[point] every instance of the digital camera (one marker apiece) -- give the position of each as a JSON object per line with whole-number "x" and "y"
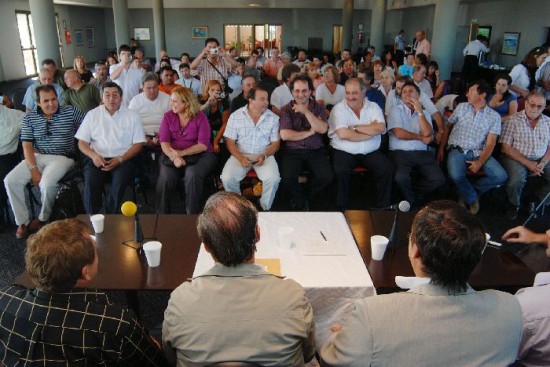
{"x": 220, "y": 95}
{"x": 214, "y": 51}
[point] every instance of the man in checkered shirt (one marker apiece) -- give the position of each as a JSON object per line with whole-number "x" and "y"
{"x": 471, "y": 143}
{"x": 60, "y": 322}
{"x": 252, "y": 138}
{"x": 526, "y": 146}
{"x": 213, "y": 63}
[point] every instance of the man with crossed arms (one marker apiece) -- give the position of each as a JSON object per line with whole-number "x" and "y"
{"x": 303, "y": 123}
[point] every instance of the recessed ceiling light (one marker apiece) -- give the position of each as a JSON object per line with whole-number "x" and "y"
{"x": 254, "y": 5}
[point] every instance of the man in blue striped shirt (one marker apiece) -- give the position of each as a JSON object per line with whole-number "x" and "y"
{"x": 48, "y": 142}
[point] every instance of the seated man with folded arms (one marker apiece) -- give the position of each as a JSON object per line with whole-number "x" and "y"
{"x": 303, "y": 124}
{"x": 110, "y": 137}
{"x": 237, "y": 311}
{"x": 355, "y": 129}
{"x": 410, "y": 132}
{"x": 62, "y": 322}
{"x": 49, "y": 149}
{"x": 442, "y": 322}
{"x": 534, "y": 350}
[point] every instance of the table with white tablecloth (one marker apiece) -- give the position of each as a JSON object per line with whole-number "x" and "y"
{"x": 332, "y": 280}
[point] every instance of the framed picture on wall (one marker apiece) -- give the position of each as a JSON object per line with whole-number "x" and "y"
{"x": 79, "y": 37}
{"x": 510, "y": 43}
{"x": 199, "y": 32}
{"x": 142, "y": 34}
{"x": 90, "y": 41}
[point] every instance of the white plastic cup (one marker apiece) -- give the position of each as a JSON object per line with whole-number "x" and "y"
{"x": 152, "y": 252}
{"x": 284, "y": 236}
{"x": 98, "y": 220}
{"x": 378, "y": 246}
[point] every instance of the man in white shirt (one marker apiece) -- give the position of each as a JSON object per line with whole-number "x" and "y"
{"x": 127, "y": 74}
{"x": 11, "y": 121}
{"x": 110, "y": 136}
{"x": 252, "y": 138}
{"x": 151, "y": 105}
{"x": 282, "y": 96}
{"x": 188, "y": 81}
{"x": 471, "y": 57}
{"x": 355, "y": 129}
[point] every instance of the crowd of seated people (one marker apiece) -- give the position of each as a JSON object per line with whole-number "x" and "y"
{"x": 372, "y": 112}
{"x": 315, "y": 114}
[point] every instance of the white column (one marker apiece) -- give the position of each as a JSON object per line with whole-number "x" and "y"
{"x": 347, "y": 24}
{"x": 378, "y": 24}
{"x": 443, "y": 41}
{"x": 45, "y": 30}
{"x": 120, "y": 13}
{"x": 158, "y": 26}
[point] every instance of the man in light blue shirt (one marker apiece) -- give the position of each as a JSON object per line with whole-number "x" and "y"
{"x": 410, "y": 132}
{"x": 44, "y": 77}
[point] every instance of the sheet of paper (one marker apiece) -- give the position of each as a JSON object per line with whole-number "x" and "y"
{"x": 273, "y": 265}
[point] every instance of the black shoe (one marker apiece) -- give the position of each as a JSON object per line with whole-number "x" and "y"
{"x": 512, "y": 212}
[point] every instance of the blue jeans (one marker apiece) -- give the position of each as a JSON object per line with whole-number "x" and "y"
{"x": 518, "y": 174}
{"x": 495, "y": 175}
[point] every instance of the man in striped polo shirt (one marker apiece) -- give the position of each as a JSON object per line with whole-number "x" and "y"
{"x": 49, "y": 147}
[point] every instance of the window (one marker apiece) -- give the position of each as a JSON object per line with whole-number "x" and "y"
{"x": 28, "y": 43}
{"x": 26, "y": 34}
{"x": 247, "y": 37}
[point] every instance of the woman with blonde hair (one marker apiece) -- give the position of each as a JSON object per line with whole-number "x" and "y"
{"x": 387, "y": 78}
{"x": 79, "y": 64}
{"x": 184, "y": 137}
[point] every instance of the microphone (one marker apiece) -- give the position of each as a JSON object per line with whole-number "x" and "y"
{"x": 403, "y": 206}
{"x": 128, "y": 209}
{"x": 534, "y": 214}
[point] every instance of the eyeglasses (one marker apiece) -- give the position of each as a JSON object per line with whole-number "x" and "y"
{"x": 535, "y": 106}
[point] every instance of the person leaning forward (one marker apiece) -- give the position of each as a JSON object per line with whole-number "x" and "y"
{"x": 63, "y": 322}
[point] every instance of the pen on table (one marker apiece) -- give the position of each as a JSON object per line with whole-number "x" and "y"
{"x": 322, "y": 234}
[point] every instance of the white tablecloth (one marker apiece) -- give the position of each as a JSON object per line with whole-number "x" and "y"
{"x": 331, "y": 282}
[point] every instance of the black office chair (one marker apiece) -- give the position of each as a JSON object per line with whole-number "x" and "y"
{"x": 17, "y": 99}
